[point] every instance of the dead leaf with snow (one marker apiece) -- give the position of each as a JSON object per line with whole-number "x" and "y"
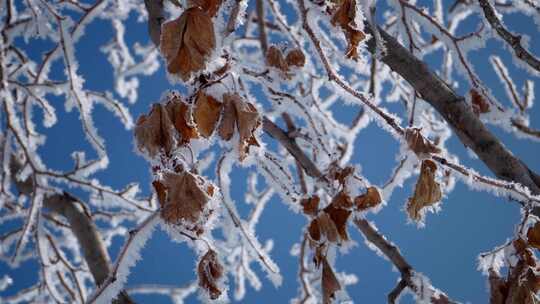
{"x": 154, "y": 131}
{"x": 187, "y": 42}
{"x": 206, "y": 113}
{"x": 427, "y": 191}
{"x": 210, "y": 272}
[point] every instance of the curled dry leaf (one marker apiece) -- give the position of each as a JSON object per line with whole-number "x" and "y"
{"x": 186, "y": 42}
{"x": 328, "y": 227}
{"x": 533, "y": 235}
{"x": 185, "y": 200}
{"x": 244, "y": 116}
{"x": 479, "y": 103}
{"x": 211, "y": 7}
{"x": 418, "y": 143}
{"x": 344, "y": 18}
{"x": 209, "y": 272}
{"x": 206, "y": 113}
{"x": 427, "y": 190}
{"x": 329, "y": 282}
{"x": 314, "y": 230}
{"x": 339, "y": 216}
{"x": 310, "y": 205}
{"x": 180, "y": 114}
{"x": 295, "y": 57}
{"x": 368, "y": 200}
{"x": 155, "y": 131}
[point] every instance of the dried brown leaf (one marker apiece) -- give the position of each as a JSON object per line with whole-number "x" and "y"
{"x": 154, "y": 132}
{"x": 418, "y": 143}
{"x": 187, "y": 41}
{"x": 186, "y": 198}
{"x": 329, "y": 282}
{"x": 295, "y": 57}
{"x": 206, "y": 113}
{"x": 328, "y": 227}
{"x": 533, "y": 235}
{"x": 314, "y": 230}
{"x": 226, "y": 128}
{"x": 310, "y": 205}
{"x": 427, "y": 190}
{"x": 479, "y": 103}
{"x": 247, "y": 121}
{"x": 344, "y": 18}
{"x": 180, "y": 114}
{"x": 274, "y": 58}
{"x": 209, "y": 272}
{"x": 161, "y": 192}
{"x": 368, "y": 200}
{"x": 339, "y": 216}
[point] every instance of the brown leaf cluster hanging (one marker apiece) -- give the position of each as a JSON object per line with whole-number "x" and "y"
{"x": 244, "y": 117}
{"x": 180, "y": 114}
{"x": 522, "y": 282}
{"x": 427, "y": 191}
{"x": 186, "y": 42}
{"x": 344, "y": 18}
{"x": 210, "y": 272}
{"x": 294, "y": 58}
{"x": 184, "y": 198}
{"x": 418, "y": 143}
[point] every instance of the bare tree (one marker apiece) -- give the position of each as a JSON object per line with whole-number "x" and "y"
{"x": 248, "y": 68}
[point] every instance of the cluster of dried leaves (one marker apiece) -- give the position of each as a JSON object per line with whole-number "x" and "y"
{"x": 188, "y": 41}
{"x": 344, "y": 15}
{"x": 328, "y": 226}
{"x": 294, "y": 58}
{"x": 522, "y": 282}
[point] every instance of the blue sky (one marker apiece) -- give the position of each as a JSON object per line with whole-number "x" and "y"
{"x": 445, "y": 250}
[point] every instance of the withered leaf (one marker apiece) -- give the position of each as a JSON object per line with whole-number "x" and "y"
{"x": 209, "y": 272}
{"x": 161, "y": 192}
{"x": 247, "y": 120}
{"x": 329, "y": 282}
{"x": 341, "y": 200}
{"x": 339, "y": 216}
{"x": 314, "y": 230}
{"x": 186, "y": 200}
{"x": 187, "y": 41}
{"x": 228, "y": 121}
{"x": 154, "y": 132}
{"x": 206, "y": 113}
{"x": 180, "y": 114}
{"x": 368, "y": 200}
{"x": 310, "y": 205}
{"x": 328, "y": 227}
{"x": 209, "y": 6}
{"x": 274, "y": 58}
{"x": 295, "y": 57}
{"x": 427, "y": 190}
{"x": 533, "y": 235}
{"x": 497, "y": 288}
{"x": 479, "y": 103}
{"x": 344, "y": 17}
{"x": 418, "y": 143}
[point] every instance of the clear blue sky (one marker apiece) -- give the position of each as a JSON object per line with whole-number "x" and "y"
{"x": 445, "y": 250}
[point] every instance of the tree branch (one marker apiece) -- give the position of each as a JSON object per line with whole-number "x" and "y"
{"x": 82, "y": 226}
{"x": 468, "y": 127}
{"x": 514, "y": 41}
